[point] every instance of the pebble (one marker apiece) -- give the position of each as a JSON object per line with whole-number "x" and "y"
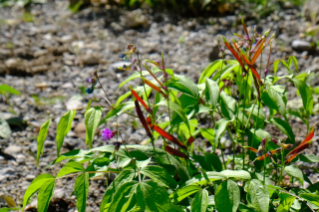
{"x": 13, "y": 149}
{"x": 30, "y": 177}
{"x": 301, "y": 45}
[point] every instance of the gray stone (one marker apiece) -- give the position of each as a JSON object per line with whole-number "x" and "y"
{"x": 30, "y": 177}
{"x": 301, "y": 45}
{"x": 13, "y": 149}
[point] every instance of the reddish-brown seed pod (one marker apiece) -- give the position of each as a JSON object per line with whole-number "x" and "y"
{"x": 268, "y": 154}
{"x": 158, "y": 89}
{"x": 140, "y": 99}
{"x": 190, "y": 140}
{"x": 175, "y": 152}
{"x": 251, "y": 149}
{"x": 142, "y": 119}
{"x": 169, "y": 136}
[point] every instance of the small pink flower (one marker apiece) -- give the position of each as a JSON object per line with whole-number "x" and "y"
{"x": 107, "y": 134}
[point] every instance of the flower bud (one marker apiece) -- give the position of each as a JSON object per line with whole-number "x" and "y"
{"x": 266, "y": 71}
{"x": 133, "y": 60}
{"x": 275, "y": 141}
{"x": 244, "y": 74}
{"x": 133, "y": 68}
{"x": 263, "y": 142}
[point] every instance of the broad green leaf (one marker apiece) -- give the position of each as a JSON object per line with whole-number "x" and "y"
{"x": 258, "y": 114}
{"x": 200, "y": 202}
{"x": 209, "y": 70}
{"x": 119, "y": 109}
{"x": 274, "y": 99}
{"x": 214, "y": 161}
{"x": 92, "y": 119}
{"x": 286, "y": 66}
{"x": 45, "y": 195}
{"x": 35, "y": 186}
{"x": 310, "y": 197}
{"x": 137, "y": 75}
{"x": 227, "y": 197}
{"x": 220, "y": 127}
{"x": 286, "y": 204}
{"x": 159, "y": 175}
{"x": 177, "y": 109}
{"x": 184, "y": 85}
{"x": 5, "y": 130}
{"x": 241, "y": 174}
{"x": 257, "y": 195}
{"x": 123, "y": 161}
{"x": 142, "y": 163}
{"x": 71, "y": 167}
{"x": 81, "y": 189}
{"x": 63, "y": 128}
{"x": 200, "y": 180}
{"x": 309, "y": 158}
{"x": 122, "y": 97}
{"x": 211, "y": 92}
{"x": 228, "y": 105}
{"x": 225, "y": 71}
{"x": 41, "y": 138}
{"x": 184, "y": 192}
{"x": 123, "y": 197}
{"x": 151, "y": 197}
{"x": 294, "y": 171}
{"x": 123, "y": 177}
{"x": 209, "y": 134}
{"x": 306, "y": 95}
{"x": 8, "y": 89}
{"x": 284, "y": 127}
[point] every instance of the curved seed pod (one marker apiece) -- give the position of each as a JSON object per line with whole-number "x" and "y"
{"x": 190, "y": 140}
{"x": 169, "y": 136}
{"x": 140, "y": 99}
{"x": 142, "y": 119}
{"x": 175, "y": 152}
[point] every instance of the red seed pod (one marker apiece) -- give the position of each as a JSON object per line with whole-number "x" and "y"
{"x": 175, "y": 152}
{"x": 169, "y": 136}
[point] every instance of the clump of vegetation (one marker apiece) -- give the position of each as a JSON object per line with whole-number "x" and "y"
{"x": 182, "y": 176}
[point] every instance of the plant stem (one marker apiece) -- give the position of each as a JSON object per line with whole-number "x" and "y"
{"x": 282, "y": 166}
{"x": 264, "y": 180}
{"x": 222, "y": 154}
{"x": 234, "y": 145}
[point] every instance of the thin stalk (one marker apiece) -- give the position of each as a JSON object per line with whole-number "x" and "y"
{"x": 234, "y": 145}
{"x": 264, "y": 181}
{"x": 282, "y": 166}
{"x": 224, "y": 162}
{"x": 107, "y": 97}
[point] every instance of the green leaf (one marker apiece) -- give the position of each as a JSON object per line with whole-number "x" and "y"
{"x": 276, "y": 63}
{"x": 258, "y": 114}
{"x": 310, "y": 197}
{"x": 294, "y": 171}
{"x": 184, "y": 85}
{"x": 159, "y": 175}
{"x": 286, "y": 204}
{"x": 35, "y": 186}
{"x": 71, "y": 167}
{"x": 257, "y": 195}
{"x": 284, "y": 127}
{"x": 274, "y": 99}
{"x": 200, "y": 202}
{"x": 119, "y": 109}
{"x": 41, "y": 138}
{"x": 8, "y": 89}
{"x": 137, "y": 75}
{"x": 9, "y": 209}
{"x": 123, "y": 177}
{"x": 122, "y": 97}
{"x": 209, "y": 70}
{"x": 81, "y": 189}
{"x": 234, "y": 174}
{"x": 306, "y": 95}
{"x": 177, "y": 109}
{"x": 152, "y": 198}
{"x": 211, "y": 92}
{"x": 227, "y": 196}
{"x": 5, "y": 130}
{"x": 63, "y": 128}
{"x": 220, "y": 127}
{"x": 294, "y": 60}
{"x": 184, "y": 192}
{"x": 123, "y": 197}
{"x": 45, "y": 195}
{"x": 228, "y": 105}
{"x": 92, "y": 119}
{"x": 309, "y": 158}
{"x": 214, "y": 161}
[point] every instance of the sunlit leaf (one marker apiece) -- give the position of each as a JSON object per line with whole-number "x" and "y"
{"x": 41, "y": 138}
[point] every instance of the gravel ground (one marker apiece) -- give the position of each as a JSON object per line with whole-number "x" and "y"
{"x": 50, "y": 59}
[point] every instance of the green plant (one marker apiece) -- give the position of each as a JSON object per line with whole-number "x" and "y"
{"x": 181, "y": 176}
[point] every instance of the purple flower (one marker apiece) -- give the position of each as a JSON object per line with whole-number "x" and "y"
{"x": 133, "y": 68}
{"x": 107, "y": 134}
{"x": 156, "y": 61}
{"x": 90, "y": 80}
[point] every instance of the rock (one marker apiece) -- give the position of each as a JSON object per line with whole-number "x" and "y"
{"x": 20, "y": 159}
{"x": 7, "y": 171}
{"x": 311, "y": 10}
{"x": 301, "y": 45}
{"x": 30, "y": 177}
{"x": 13, "y": 149}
